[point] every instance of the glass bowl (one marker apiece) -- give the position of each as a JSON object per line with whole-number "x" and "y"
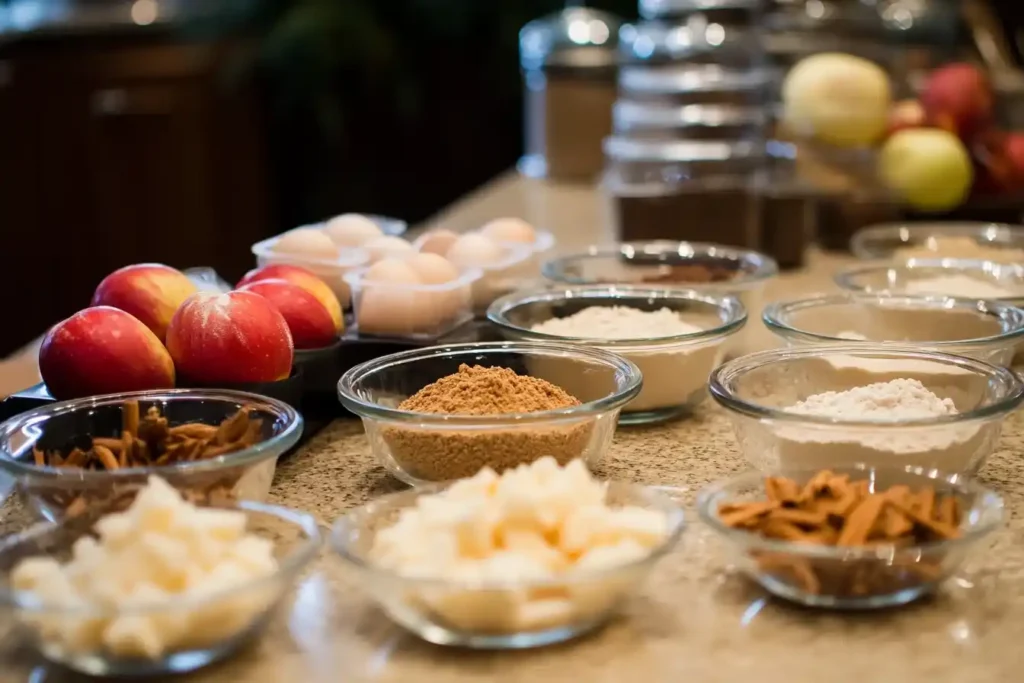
{"x": 53, "y": 492}
{"x": 952, "y": 277}
{"x": 675, "y": 368}
{"x": 197, "y": 630}
{"x": 986, "y": 330}
{"x": 899, "y": 575}
{"x": 423, "y": 447}
{"x": 900, "y": 241}
{"x": 758, "y": 391}
{"x": 485, "y": 615}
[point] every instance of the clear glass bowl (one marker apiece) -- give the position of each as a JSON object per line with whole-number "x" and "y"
{"x": 899, "y": 574}
{"x": 50, "y": 492}
{"x": 675, "y": 368}
{"x": 425, "y": 447}
{"x": 989, "y": 241}
{"x": 758, "y": 390}
{"x": 485, "y": 615}
{"x": 916, "y": 276}
{"x": 986, "y": 330}
{"x": 196, "y": 630}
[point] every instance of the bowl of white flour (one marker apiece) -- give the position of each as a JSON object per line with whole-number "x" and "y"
{"x": 986, "y": 330}
{"x": 676, "y": 337}
{"x": 873, "y": 404}
{"x": 1000, "y": 242}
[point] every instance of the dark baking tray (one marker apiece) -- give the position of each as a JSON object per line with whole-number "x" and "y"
{"x": 312, "y": 387}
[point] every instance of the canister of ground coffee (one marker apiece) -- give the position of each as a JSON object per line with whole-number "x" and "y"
{"x": 569, "y": 63}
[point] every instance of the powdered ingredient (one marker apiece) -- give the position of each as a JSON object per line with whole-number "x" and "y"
{"x": 441, "y": 453}
{"x": 961, "y": 247}
{"x": 617, "y": 322}
{"x": 478, "y": 390}
{"x": 900, "y": 399}
{"x": 958, "y": 285}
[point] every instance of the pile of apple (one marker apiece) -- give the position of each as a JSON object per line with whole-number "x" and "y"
{"x": 934, "y": 152}
{"x": 148, "y": 327}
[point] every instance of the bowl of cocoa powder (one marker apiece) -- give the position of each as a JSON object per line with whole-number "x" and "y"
{"x": 446, "y": 412}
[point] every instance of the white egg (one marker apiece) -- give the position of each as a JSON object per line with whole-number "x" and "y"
{"x": 385, "y": 246}
{"x": 308, "y": 242}
{"x": 473, "y": 249}
{"x": 437, "y": 242}
{"x": 510, "y": 230}
{"x": 392, "y": 270}
{"x": 351, "y": 230}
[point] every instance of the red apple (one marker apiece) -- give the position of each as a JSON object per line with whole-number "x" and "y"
{"x": 308, "y": 319}
{"x": 906, "y": 114}
{"x": 149, "y": 291}
{"x": 232, "y": 338}
{"x": 995, "y": 172}
{"x": 959, "y": 98}
{"x": 1013, "y": 150}
{"x": 103, "y": 350}
{"x": 303, "y": 278}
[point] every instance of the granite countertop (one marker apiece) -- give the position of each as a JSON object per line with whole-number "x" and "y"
{"x": 695, "y": 620}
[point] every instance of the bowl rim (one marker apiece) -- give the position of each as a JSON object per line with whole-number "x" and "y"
{"x": 720, "y": 377}
{"x": 846, "y": 279}
{"x": 271, "y": 447}
{"x": 655, "y": 496}
{"x": 736, "y": 314}
{"x": 990, "y": 234}
{"x": 962, "y": 484}
{"x": 364, "y": 409}
{"x": 764, "y": 266}
{"x": 1007, "y": 315}
{"x": 296, "y": 559}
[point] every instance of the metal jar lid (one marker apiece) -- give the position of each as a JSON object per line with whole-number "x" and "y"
{"x": 656, "y": 41}
{"x": 657, "y": 9}
{"x": 692, "y": 78}
{"x": 575, "y": 38}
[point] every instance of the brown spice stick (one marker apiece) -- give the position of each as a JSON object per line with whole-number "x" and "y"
{"x": 799, "y": 517}
{"x": 942, "y": 529}
{"x": 925, "y": 504}
{"x": 949, "y": 511}
{"x": 38, "y": 456}
{"x": 193, "y": 430}
{"x": 860, "y": 522}
{"x": 749, "y": 512}
{"x": 105, "y": 456}
{"x": 130, "y": 418}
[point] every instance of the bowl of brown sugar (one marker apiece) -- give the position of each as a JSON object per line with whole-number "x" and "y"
{"x": 445, "y": 412}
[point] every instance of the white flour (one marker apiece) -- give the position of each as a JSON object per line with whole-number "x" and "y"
{"x": 618, "y": 322}
{"x": 958, "y": 285}
{"x": 953, "y": 448}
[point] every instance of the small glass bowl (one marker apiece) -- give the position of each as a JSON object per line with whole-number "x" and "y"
{"x": 330, "y": 270}
{"x": 50, "y": 492}
{"x": 411, "y": 311}
{"x": 675, "y": 368}
{"x": 484, "y": 615}
{"x": 198, "y": 630}
{"x": 907, "y": 278}
{"x": 758, "y": 390}
{"x": 986, "y": 330}
{"x": 901, "y": 241}
{"x": 428, "y": 447}
{"x": 889, "y": 575}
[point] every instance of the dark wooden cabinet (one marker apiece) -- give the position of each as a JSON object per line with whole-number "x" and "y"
{"x": 119, "y": 151}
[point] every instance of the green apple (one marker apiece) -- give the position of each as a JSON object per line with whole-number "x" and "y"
{"x": 928, "y": 167}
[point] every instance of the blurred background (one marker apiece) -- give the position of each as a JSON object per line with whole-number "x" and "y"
{"x": 182, "y": 131}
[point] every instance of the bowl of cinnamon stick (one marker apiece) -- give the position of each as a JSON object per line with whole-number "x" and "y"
{"x": 215, "y": 446}
{"x": 851, "y": 538}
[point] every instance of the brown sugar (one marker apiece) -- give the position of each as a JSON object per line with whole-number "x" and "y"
{"x": 441, "y": 453}
{"x": 478, "y": 390}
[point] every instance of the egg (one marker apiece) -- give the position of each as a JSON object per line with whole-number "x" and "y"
{"x": 446, "y": 301}
{"x": 437, "y": 242}
{"x": 308, "y": 242}
{"x": 392, "y": 270}
{"x": 392, "y": 301}
{"x": 510, "y": 230}
{"x": 351, "y": 230}
{"x": 433, "y": 269}
{"x": 475, "y": 250}
{"x": 385, "y": 246}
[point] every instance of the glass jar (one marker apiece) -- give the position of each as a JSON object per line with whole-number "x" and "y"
{"x": 725, "y": 12}
{"x": 686, "y": 84}
{"x": 652, "y": 121}
{"x": 663, "y": 42}
{"x": 569, "y": 64}
{"x": 699, "y": 191}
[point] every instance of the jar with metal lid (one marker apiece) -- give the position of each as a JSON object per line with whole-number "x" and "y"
{"x": 653, "y": 121}
{"x": 662, "y": 42}
{"x": 684, "y": 190}
{"x": 686, "y": 84}
{"x": 789, "y": 207}
{"x": 725, "y": 12}
{"x": 569, "y": 63}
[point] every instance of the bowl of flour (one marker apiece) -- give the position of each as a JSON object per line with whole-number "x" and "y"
{"x": 676, "y": 337}
{"x": 872, "y": 404}
{"x": 986, "y": 330}
{"x": 1000, "y": 242}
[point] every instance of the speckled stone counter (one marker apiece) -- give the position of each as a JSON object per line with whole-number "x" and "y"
{"x": 694, "y": 621}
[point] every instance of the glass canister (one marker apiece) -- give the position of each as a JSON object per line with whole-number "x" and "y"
{"x": 699, "y": 191}
{"x": 685, "y": 84}
{"x": 665, "y": 42}
{"x": 653, "y": 121}
{"x": 725, "y": 12}
{"x": 569, "y": 64}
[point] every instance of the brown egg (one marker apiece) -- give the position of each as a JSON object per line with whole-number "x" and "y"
{"x": 437, "y": 242}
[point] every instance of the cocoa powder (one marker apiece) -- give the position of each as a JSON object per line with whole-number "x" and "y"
{"x": 441, "y": 453}
{"x": 478, "y": 390}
